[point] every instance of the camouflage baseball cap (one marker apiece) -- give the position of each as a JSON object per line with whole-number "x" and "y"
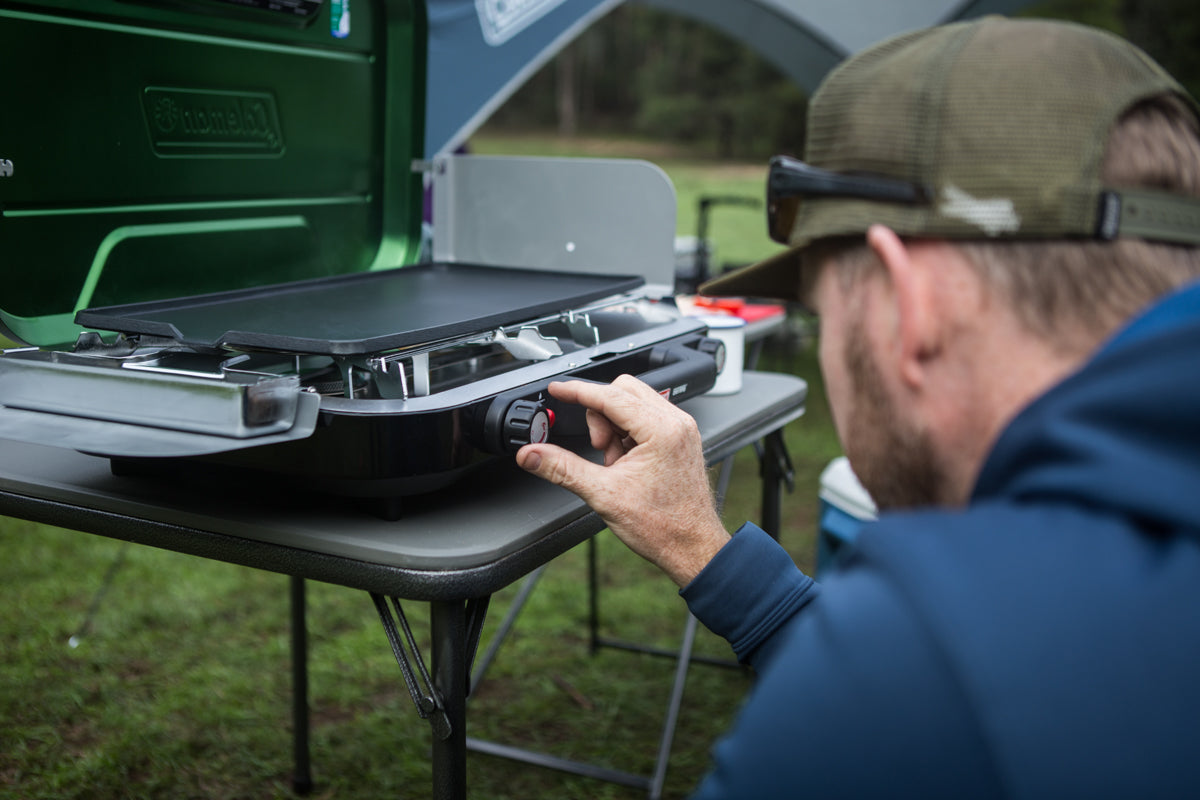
{"x": 994, "y": 128}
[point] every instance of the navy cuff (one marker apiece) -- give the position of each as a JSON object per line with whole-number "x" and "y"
{"x": 748, "y": 590}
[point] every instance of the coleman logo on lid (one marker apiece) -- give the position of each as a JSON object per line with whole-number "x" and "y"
{"x": 185, "y": 122}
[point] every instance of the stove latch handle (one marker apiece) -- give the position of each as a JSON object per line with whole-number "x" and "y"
{"x": 683, "y": 370}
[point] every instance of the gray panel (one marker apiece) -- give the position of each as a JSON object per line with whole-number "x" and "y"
{"x": 583, "y": 215}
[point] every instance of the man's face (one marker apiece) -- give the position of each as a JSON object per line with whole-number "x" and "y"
{"x": 892, "y": 457}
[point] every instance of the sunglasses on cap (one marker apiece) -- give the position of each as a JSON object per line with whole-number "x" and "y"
{"x": 790, "y": 180}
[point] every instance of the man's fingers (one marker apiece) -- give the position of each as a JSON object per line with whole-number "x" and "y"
{"x": 601, "y": 431}
{"x": 606, "y": 437}
{"x": 558, "y": 466}
{"x": 652, "y": 491}
{"x": 630, "y": 406}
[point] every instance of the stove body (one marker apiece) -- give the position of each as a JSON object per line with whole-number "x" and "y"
{"x": 217, "y": 274}
{"x": 352, "y": 420}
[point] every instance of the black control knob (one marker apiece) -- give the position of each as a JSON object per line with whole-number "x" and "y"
{"x": 526, "y": 422}
{"x": 714, "y": 348}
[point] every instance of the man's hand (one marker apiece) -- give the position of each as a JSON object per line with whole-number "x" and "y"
{"x": 653, "y": 489}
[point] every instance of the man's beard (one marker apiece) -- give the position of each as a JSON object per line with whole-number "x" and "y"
{"x": 894, "y": 461}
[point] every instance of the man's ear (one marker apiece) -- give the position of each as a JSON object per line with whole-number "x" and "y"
{"x": 918, "y": 329}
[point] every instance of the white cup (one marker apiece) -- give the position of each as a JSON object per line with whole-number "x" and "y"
{"x": 732, "y": 332}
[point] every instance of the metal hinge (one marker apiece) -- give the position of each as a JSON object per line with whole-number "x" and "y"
{"x": 428, "y": 701}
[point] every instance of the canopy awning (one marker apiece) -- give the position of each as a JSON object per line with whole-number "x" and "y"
{"x": 481, "y": 51}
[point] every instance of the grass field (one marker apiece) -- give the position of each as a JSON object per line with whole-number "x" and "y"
{"x": 179, "y": 687}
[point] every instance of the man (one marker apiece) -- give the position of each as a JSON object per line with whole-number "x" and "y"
{"x": 995, "y": 226}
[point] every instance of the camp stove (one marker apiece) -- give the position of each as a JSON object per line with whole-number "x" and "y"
{"x": 225, "y": 271}
{"x": 378, "y": 416}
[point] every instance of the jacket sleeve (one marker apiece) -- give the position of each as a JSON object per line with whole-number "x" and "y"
{"x": 748, "y": 592}
{"x": 856, "y": 700}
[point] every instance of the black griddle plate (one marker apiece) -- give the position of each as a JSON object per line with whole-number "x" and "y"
{"x": 362, "y": 313}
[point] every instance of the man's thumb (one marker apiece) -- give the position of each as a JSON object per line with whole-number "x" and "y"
{"x": 529, "y": 458}
{"x": 554, "y": 464}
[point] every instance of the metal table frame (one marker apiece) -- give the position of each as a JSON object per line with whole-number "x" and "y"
{"x": 450, "y": 553}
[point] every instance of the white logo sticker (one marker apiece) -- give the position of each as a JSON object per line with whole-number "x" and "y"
{"x": 339, "y": 19}
{"x": 503, "y": 19}
{"x": 992, "y": 215}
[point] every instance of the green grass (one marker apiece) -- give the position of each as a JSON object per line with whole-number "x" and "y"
{"x": 181, "y": 687}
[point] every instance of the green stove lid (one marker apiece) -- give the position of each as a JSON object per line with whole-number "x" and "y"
{"x": 151, "y": 150}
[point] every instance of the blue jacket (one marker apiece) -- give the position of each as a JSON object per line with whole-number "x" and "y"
{"x": 1044, "y": 642}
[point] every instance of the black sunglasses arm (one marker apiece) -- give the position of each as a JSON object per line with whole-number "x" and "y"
{"x": 789, "y": 177}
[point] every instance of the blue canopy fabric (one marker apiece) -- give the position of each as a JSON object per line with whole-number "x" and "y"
{"x": 481, "y": 51}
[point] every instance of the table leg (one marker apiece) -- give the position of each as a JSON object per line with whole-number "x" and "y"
{"x": 449, "y": 631}
{"x": 593, "y": 598}
{"x": 659, "y": 780}
{"x": 440, "y": 697}
{"x": 776, "y": 466}
{"x": 302, "y": 776}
